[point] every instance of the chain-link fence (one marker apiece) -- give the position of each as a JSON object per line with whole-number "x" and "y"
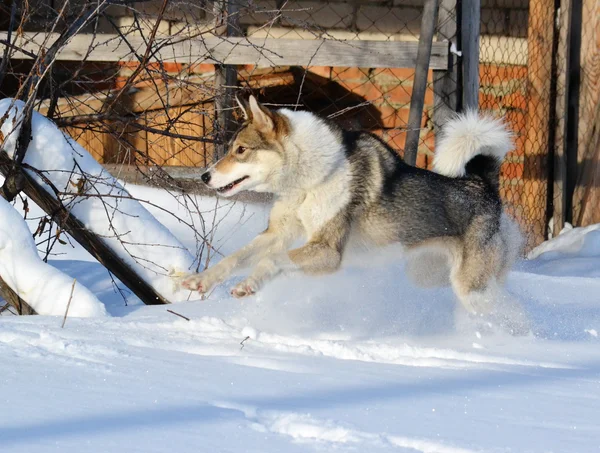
{"x": 515, "y": 76}
{"x": 149, "y": 85}
{"x": 151, "y": 113}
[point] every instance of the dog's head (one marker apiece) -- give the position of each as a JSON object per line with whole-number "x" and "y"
{"x": 255, "y": 157}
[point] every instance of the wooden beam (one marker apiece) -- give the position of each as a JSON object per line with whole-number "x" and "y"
{"x": 417, "y": 99}
{"x": 559, "y": 158}
{"x": 534, "y": 199}
{"x": 572, "y": 87}
{"x": 470, "y": 24}
{"x": 240, "y": 51}
{"x": 89, "y": 241}
{"x": 585, "y": 197}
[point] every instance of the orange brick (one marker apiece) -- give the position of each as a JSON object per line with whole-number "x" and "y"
{"x": 368, "y": 90}
{"x": 510, "y": 170}
{"x": 343, "y": 73}
{"x": 128, "y": 64}
{"x": 392, "y": 117}
{"x": 322, "y": 71}
{"x": 202, "y": 68}
{"x": 514, "y": 101}
{"x": 172, "y": 67}
{"x": 502, "y": 72}
{"x": 398, "y": 73}
{"x": 396, "y": 138}
{"x": 516, "y": 120}
{"x": 399, "y": 95}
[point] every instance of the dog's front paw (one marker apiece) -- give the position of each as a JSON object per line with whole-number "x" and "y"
{"x": 202, "y": 282}
{"x": 245, "y": 288}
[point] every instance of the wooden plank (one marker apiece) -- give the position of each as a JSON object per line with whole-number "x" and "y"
{"x": 559, "y": 158}
{"x": 446, "y": 90}
{"x": 572, "y": 99}
{"x": 90, "y": 242}
{"x": 470, "y": 23}
{"x": 417, "y": 99}
{"x": 588, "y": 109}
{"x": 170, "y": 151}
{"x": 241, "y": 51}
{"x": 588, "y": 183}
{"x": 534, "y": 199}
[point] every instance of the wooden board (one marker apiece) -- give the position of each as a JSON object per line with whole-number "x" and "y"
{"x": 534, "y": 198}
{"x": 585, "y": 196}
{"x": 240, "y": 51}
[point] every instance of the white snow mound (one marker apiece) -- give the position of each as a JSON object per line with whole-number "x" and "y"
{"x": 584, "y": 241}
{"x": 124, "y": 224}
{"x": 46, "y": 289}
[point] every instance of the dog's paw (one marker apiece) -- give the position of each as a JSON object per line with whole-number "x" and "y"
{"x": 245, "y": 288}
{"x": 202, "y": 282}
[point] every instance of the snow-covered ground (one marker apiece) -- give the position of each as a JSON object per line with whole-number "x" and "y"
{"x": 359, "y": 361}
{"x": 97, "y": 200}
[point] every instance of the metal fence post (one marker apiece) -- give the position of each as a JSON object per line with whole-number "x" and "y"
{"x": 428, "y": 25}
{"x": 446, "y": 88}
{"x": 226, "y": 24}
{"x": 470, "y": 25}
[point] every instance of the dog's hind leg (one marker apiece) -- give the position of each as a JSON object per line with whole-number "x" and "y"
{"x": 477, "y": 276}
{"x": 477, "y": 264}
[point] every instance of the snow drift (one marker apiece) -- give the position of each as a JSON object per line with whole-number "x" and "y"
{"x": 98, "y": 200}
{"x": 46, "y": 289}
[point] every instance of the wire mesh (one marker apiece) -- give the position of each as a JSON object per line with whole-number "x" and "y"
{"x": 515, "y": 77}
{"x": 155, "y": 113}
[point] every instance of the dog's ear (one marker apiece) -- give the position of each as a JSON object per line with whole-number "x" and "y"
{"x": 245, "y": 108}
{"x": 261, "y": 116}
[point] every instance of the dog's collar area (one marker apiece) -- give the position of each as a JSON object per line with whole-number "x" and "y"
{"x": 231, "y": 185}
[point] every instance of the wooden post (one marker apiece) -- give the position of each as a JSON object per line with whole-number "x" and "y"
{"x": 227, "y": 24}
{"x": 428, "y": 25}
{"x": 573, "y": 81}
{"x": 470, "y": 26}
{"x": 585, "y": 196}
{"x": 446, "y": 89}
{"x": 588, "y": 181}
{"x": 559, "y": 157}
{"x": 540, "y": 47}
{"x": 93, "y": 244}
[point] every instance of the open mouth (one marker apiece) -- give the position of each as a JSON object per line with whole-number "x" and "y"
{"x": 231, "y": 185}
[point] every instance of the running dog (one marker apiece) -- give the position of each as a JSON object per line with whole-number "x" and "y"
{"x": 332, "y": 185}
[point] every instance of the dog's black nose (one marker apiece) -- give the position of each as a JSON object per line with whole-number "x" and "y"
{"x": 206, "y": 177}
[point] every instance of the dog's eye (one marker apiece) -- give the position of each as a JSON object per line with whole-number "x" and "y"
{"x": 240, "y": 150}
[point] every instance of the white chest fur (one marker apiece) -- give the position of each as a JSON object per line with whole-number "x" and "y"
{"x": 326, "y": 200}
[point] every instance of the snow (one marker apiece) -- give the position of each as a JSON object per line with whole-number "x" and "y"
{"x": 34, "y": 280}
{"x": 583, "y": 241}
{"x": 126, "y": 226}
{"x": 359, "y": 361}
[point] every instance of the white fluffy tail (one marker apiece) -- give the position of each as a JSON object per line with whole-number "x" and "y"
{"x": 466, "y": 136}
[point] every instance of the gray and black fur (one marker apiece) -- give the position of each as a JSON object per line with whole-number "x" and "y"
{"x": 334, "y": 185}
